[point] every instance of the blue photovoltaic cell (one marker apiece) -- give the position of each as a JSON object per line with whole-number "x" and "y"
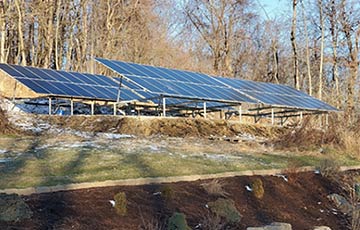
{"x": 70, "y": 84}
{"x": 276, "y": 95}
{"x": 175, "y": 83}
{"x": 186, "y": 84}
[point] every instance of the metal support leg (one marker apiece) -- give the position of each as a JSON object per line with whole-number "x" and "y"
{"x": 327, "y": 120}
{"x": 164, "y": 107}
{"x": 71, "y": 107}
{"x": 50, "y": 108}
{"x": 240, "y": 113}
{"x": 301, "y": 117}
{"x": 204, "y": 109}
{"x": 272, "y": 117}
{"x": 92, "y": 107}
{"x": 114, "y": 108}
{"x": 320, "y": 120}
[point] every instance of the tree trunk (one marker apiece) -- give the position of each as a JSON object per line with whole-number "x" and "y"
{"x": 21, "y": 34}
{"x": 321, "y": 49}
{"x": 3, "y": 33}
{"x": 57, "y": 27}
{"x": 334, "y": 44}
{"x": 307, "y": 50}
{"x": 293, "y": 43}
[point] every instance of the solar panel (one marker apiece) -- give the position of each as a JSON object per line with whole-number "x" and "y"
{"x": 175, "y": 83}
{"x": 186, "y": 84}
{"x": 69, "y": 84}
{"x": 276, "y": 94}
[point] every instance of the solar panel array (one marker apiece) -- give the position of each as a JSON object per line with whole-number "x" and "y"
{"x": 175, "y": 83}
{"x": 141, "y": 82}
{"x": 276, "y": 95}
{"x": 69, "y": 84}
{"x": 172, "y": 82}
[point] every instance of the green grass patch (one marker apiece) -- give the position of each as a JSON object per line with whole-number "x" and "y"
{"x": 35, "y": 165}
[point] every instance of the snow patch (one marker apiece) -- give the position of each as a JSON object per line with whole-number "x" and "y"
{"x": 2, "y": 151}
{"x": 113, "y": 135}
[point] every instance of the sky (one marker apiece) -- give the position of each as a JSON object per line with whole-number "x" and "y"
{"x": 274, "y": 8}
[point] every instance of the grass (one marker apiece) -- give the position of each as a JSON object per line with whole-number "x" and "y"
{"x": 38, "y": 163}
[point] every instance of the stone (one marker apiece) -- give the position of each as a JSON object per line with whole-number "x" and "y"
{"x": 322, "y": 228}
{"x": 341, "y": 203}
{"x": 13, "y": 208}
{"x": 273, "y": 226}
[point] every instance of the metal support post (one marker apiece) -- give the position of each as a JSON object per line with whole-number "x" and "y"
{"x": 119, "y": 90}
{"x": 164, "y": 107}
{"x": 71, "y": 107}
{"x": 327, "y": 121}
{"x": 301, "y": 117}
{"x": 240, "y": 113}
{"x": 272, "y": 116}
{"x": 114, "y": 108}
{"x": 50, "y": 106}
{"x": 204, "y": 109}
{"x": 92, "y": 107}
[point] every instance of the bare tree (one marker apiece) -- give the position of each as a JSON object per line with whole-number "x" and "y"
{"x": 19, "y": 7}
{"x": 218, "y": 23}
{"x": 351, "y": 31}
{"x": 308, "y": 65}
{"x": 332, "y": 15}
{"x": 322, "y": 29}
{"x": 293, "y": 43}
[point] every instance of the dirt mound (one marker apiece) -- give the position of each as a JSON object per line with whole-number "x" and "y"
{"x": 301, "y": 201}
{"x": 13, "y": 208}
{"x": 173, "y": 127}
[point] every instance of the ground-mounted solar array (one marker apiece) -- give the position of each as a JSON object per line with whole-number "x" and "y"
{"x": 276, "y": 94}
{"x": 175, "y": 83}
{"x": 69, "y": 84}
{"x": 161, "y": 89}
{"x": 191, "y": 85}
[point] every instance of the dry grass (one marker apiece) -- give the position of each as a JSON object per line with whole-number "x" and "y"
{"x": 352, "y": 196}
{"x": 120, "y": 203}
{"x": 212, "y": 221}
{"x": 152, "y": 224}
{"x": 215, "y": 187}
{"x": 329, "y": 168}
{"x": 340, "y": 135}
{"x": 258, "y": 188}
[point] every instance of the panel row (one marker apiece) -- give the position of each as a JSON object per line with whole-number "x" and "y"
{"x": 190, "y": 84}
{"x": 190, "y": 90}
{"x": 79, "y": 91}
{"x": 69, "y": 84}
{"x": 127, "y": 68}
{"x": 61, "y": 76}
{"x": 253, "y": 86}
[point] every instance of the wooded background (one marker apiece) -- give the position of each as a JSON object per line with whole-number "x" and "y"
{"x": 313, "y": 47}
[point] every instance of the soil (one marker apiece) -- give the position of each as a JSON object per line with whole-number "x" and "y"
{"x": 302, "y": 202}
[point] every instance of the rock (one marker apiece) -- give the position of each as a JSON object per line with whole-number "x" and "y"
{"x": 273, "y": 226}
{"x": 322, "y": 228}
{"x": 13, "y": 208}
{"x": 341, "y": 203}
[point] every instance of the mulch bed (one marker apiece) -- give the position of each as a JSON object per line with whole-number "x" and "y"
{"x": 302, "y": 202}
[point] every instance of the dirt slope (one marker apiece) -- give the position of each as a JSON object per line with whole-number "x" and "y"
{"x": 302, "y": 202}
{"x": 147, "y": 126}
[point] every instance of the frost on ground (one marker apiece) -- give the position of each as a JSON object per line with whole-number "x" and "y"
{"x": 56, "y": 137}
